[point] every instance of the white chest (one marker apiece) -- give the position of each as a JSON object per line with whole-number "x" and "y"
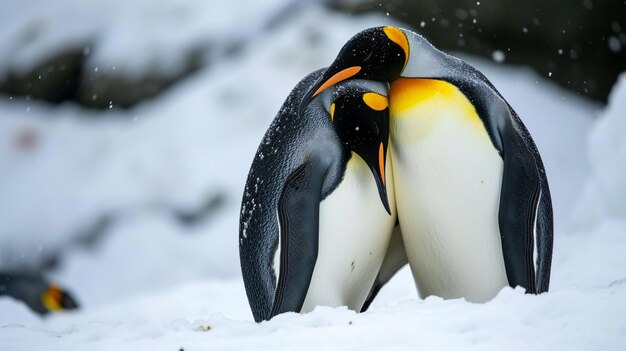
{"x": 447, "y": 177}
{"x": 354, "y": 233}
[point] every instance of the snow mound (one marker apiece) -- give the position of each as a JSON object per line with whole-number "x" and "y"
{"x": 591, "y": 253}
{"x": 605, "y": 193}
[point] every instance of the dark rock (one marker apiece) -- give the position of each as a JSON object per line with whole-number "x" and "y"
{"x": 108, "y": 88}
{"x": 69, "y": 76}
{"x": 65, "y": 77}
{"x": 54, "y": 80}
{"x": 204, "y": 212}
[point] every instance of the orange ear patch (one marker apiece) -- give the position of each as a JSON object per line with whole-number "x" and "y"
{"x": 376, "y": 101}
{"x": 396, "y": 35}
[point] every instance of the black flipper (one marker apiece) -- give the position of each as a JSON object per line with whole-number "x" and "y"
{"x": 525, "y": 204}
{"x": 298, "y": 212}
{"x": 394, "y": 260}
{"x": 525, "y": 208}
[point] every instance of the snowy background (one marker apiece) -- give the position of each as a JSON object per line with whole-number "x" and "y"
{"x": 135, "y": 210}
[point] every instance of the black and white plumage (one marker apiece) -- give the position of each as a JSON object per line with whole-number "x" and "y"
{"x": 316, "y": 217}
{"x": 471, "y": 191}
{"x": 36, "y": 292}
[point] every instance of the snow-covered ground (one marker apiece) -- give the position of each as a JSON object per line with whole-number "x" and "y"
{"x": 153, "y": 282}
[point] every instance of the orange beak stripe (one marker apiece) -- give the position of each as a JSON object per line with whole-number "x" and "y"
{"x": 381, "y": 162}
{"x": 338, "y": 77}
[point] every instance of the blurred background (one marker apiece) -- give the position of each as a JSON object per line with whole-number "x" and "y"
{"x": 127, "y": 129}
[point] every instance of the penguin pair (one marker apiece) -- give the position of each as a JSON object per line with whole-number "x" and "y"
{"x": 36, "y": 292}
{"x": 455, "y": 165}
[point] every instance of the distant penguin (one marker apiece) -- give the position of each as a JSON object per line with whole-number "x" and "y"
{"x": 39, "y": 295}
{"x": 318, "y": 207}
{"x": 471, "y": 191}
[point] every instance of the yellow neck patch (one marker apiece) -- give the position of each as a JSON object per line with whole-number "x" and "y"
{"x": 332, "y": 111}
{"x": 51, "y": 298}
{"x": 427, "y": 98}
{"x": 375, "y": 101}
{"x": 394, "y": 34}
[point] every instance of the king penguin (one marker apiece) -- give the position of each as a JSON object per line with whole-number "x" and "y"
{"x": 36, "y": 292}
{"x": 318, "y": 209}
{"x": 471, "y": 191}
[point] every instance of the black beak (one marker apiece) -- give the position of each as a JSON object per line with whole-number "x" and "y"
{"x": 68, "y": 302}
{"x": 331, "y": 77}
{"x": 376, "y": 160}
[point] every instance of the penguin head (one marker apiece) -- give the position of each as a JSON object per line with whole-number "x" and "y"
{"x": 36, "y": 292}
{"x": 378, "y": 54}
{"x": 359, "y": 112}
{"x": 56, "y": 299}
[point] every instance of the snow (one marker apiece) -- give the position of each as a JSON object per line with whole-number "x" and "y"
{"x": 498, "y": 56}
{"x": 605, "y": 193}
{"x": 151, "y": 281}
{"x": 112, "y": 32}
{"x": 570, "y": 319}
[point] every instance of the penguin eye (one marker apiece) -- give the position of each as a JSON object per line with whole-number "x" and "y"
{"x": 368, "y": 56}
{"x": 376, "y": 130}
